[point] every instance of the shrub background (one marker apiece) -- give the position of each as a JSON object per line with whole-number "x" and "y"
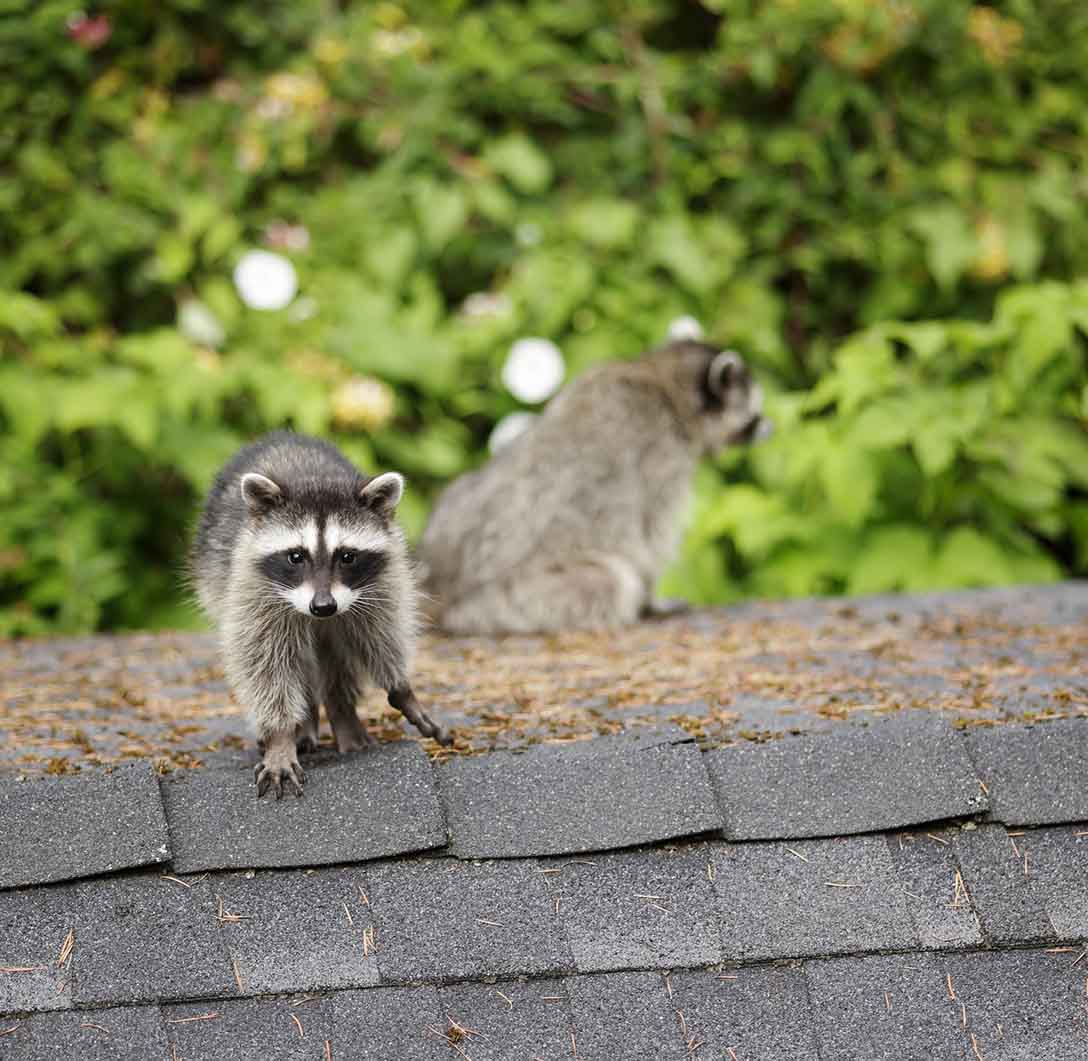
{"x": 881, "y": 204}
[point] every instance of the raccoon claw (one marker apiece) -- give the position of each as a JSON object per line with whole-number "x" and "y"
{"x": 270, "y": 777}
{"x": 404, "y": 700}
{"x": 429, "y": 728}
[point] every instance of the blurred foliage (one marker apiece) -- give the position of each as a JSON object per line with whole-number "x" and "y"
{"x": 880, "y": 202}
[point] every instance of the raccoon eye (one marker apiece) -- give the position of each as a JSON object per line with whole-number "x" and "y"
{"x": 296, "y": 556}
{"x": 346, "y": 557}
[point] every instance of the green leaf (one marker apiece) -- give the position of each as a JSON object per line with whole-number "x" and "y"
{"x": 521, "y": 162}
{"x": 949, "y": 242}
{"x": 850, "y": 481}
{"x": 967, "y": 557}
{"x": 605, "y": 223}
{"x": 672, "y": 243}
{"x": 891, "y": 557}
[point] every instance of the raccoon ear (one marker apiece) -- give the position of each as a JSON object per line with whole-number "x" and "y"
{"x": 383, "y": 492}
{"x": 723, "y": 372}
{"x": 260, "y": 493}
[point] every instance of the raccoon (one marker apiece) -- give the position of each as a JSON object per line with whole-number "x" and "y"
{"x": 573, "y": 523}
{"x": 298, "y": 562}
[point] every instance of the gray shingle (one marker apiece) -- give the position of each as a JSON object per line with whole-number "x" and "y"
{"x": 938, "y": 900}
{"x": 140, "y": 938}
{"x": 386, "y": 1023}
{"x": 903, "y": 770}
{"x": 442, "y": 919}
{"x": 591, "y": 796}
{"x": 638, "y": 909}
{"x": 624, "y": 1015}
{"x": 1035, "y": 774}
{"x": 374, "y": 1025}
{"x": 892, "y": 1008}
{"x": 300, "y": 930}
{"x": 377, "y": 803}
{"x": 812, "y": 897}
{"x": 1058, "y": 875}
{"x": 758, "y": 1013}
{"x": 993, "y": 869}
{"x": 245, "y": 1029}
{"x": 33, "y": 927}
{"x": 131, "y": 1033}
{"x": 514, "y": 1020}
{"x": 1020, "y": 1005}
{"x": 60, "y": 828}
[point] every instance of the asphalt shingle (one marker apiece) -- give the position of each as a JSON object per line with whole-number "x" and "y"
{"x": 591, "y": 796}
{"x": 386, "y": 1023}
{"x": 130, "y": 1033}
{"x": 60, "y": 828}
{"x": 1035, "y": 774}
{"x": 244, "y": 1029}
{"x": 1058, "y": 874}
{"x": 936, "y": 895}
{"x": 33, "y": 927}
{"x": 442, "y": 919}
{"x": 1020, "y": 1005}
{"x": 297, "y": 930}
{"x": 512, "y": 1021}
{"x": 903, "y": 770}
{"x": 376, "y": 803}
{"x": 812, "y": 897}
{"x": 624, "y": 1015}
{"x": 140, "y": 938}
{"x": 894, "y": 1008}
{"x": 992, "y": 866}
{"x": 638, "y": 909}
{"x": 757, "y": 1013}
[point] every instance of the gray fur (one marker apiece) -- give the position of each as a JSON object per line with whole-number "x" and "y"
{"x": 571, "y": 526}
{"x": 289, "y": 494}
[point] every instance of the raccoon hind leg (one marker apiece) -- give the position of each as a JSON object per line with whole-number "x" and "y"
{"x": 590, "y": 593}
{"x": 342, "y": 682}
{"x": 306, "y": 733}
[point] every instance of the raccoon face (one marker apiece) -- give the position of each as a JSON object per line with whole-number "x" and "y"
{"x": 731, "y": 403}
{"x": 320, "y": 553}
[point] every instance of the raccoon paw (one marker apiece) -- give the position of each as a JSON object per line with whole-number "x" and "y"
{"x": 404, "y": 700}
{"x": 664, "y": 607}
{"x": 271, "y": 773}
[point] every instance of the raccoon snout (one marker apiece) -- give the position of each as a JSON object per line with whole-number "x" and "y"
{"x": 323, "y": 605}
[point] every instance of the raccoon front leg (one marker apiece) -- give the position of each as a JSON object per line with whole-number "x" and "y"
{"x": 404, "y": 700}
{"x": 342, "y": 681}
{"x": 271, "y": 669}
{"x": 384, "y": 653}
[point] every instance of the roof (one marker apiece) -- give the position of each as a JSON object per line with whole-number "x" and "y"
{"x": 812, "y": 829}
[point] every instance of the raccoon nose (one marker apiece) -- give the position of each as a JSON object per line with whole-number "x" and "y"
{"x": 323, "y": 605}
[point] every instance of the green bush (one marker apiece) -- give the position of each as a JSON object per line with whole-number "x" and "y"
{"x": 879, "y": 202}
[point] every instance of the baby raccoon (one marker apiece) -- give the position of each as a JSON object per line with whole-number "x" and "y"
{"x": 298, "y": 562}
{"x": 571, "y": 526}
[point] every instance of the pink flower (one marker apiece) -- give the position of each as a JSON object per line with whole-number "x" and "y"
{"x": 89, "y": 32}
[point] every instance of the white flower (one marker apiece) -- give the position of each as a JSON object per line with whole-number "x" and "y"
{"x": 486, "y": 304}
{"x": 265, "y": 280}
{"x": 685, "y": 328}
{"x": 363, "y": 402}
{"x": 197, "y": 323}
{"x": 533, "y": 370}
{"x": 509, "y": 428}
